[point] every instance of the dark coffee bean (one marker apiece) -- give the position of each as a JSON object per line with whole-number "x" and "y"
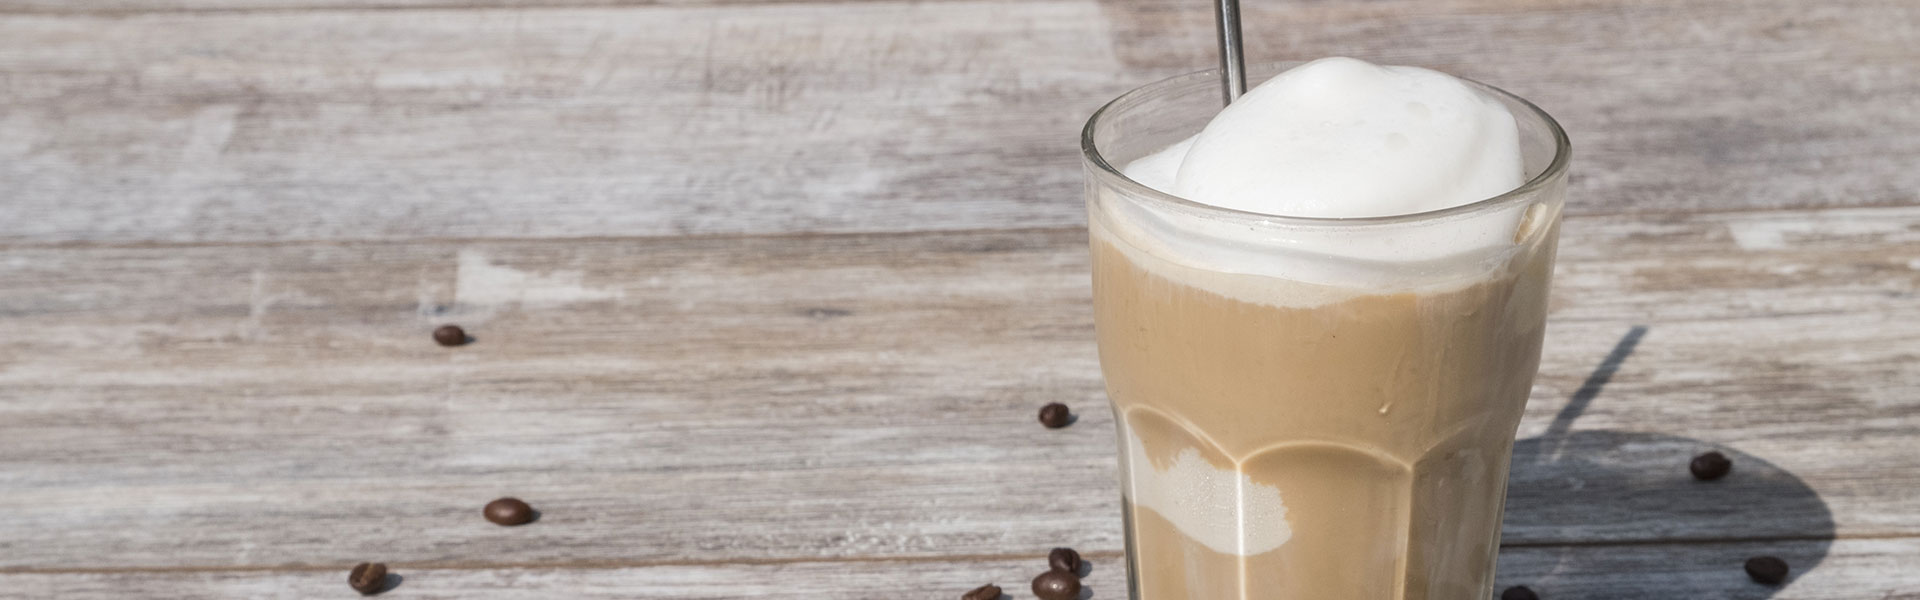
{"x": 1064, "y": 559}
{"x": 1769, "y": 570}
{"x": 508, "y": 511}
{"x": 1519, "y": 592}
{"x": 1710, "y": 466}
{"x": 368, "y": 578}
{"x": 450, "y": 335}
{"x": 1056, "y": 585}
{"x": 1055, "y": 415}
{"x": 985, "y": 592}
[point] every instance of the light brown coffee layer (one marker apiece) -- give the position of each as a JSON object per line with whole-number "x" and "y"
{"x": 1382, "y": 423}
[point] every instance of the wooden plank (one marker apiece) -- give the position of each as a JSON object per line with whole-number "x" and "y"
{"x": 1841, "y": 570}
{"x": 806, "y": 397}
{"x": 860, "y": 117}
{"x": 125, "y": 7}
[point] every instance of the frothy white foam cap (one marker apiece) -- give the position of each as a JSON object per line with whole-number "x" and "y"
{"x": 1223, "y": 509}
{"x": 1338, "y": 138}
{"x": 1341, "y": 137}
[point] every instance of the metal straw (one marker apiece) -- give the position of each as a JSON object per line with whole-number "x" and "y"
{"x": 1233, "y": 68}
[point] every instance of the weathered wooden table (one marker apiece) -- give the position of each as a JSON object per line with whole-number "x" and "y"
{"x": 766, "y": 293}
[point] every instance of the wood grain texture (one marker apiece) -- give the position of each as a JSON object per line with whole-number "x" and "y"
{"x": 127, "y": 7}
{"x": 1844, "y": 570}
{"x": 861, "y": 117}
{"x": 807, "y": 397}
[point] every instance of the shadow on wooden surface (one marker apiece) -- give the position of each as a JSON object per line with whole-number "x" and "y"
{"x": 1643, "y": 477}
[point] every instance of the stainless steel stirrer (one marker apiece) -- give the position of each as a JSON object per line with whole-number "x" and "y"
{"x": 1233, "y": 68}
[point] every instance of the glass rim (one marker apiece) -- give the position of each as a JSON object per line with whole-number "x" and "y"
{"x": 1090, "y": 152}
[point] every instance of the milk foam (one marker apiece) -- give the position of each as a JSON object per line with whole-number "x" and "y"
{"x": 1224, "y": 510}
{"x": 1340, "y": 137}
{"x": 1337, "y": 138}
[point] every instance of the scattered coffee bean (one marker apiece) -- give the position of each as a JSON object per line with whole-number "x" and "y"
{"x": 1056, "y": 585}
{"x": 450, "y": 335}
{"x": 1769, "y": 570}
{"x": 985, "y": 592}
{"x": 1519, "y": 592}
{"x": 508, "y": 511}
{"x": 1055, "y": 415}
{"x": 1064, "y": 559}
{"x": 1710, "y": 466}
{"x": 368, "y": 578}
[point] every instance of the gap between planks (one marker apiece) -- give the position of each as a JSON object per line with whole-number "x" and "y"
{"x": 134, "y": 8}
{"x": 591, "y": 565}
{"x": 580, "y": 565}
{"x": 817, "y": 235}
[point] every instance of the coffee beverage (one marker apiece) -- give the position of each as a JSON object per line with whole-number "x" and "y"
{"x": 1323, "y": 409}
{"x": 1356, "y": 449}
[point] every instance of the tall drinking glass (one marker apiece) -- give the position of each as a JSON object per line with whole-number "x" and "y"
{"x": 1312, "y": 408}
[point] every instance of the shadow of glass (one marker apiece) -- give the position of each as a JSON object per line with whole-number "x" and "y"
{"x": 1620, "y": 486}
{"x": 1614, "y": 486}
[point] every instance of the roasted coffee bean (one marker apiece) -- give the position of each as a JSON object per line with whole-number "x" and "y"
{"x": 1064, "y": 559}
{"x": 508, "y": 511}
{"x": 1055, "y": 415}
{"x": 450, "y": 335}
{"x": 1710, "y": 466}
{"x": 1056, "y": 585}
{"x": 985, "y": 592}
{"x": 368, "y": 578}
{"x": 1769, "y": 570}
{"x": 1519, "y": 592}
